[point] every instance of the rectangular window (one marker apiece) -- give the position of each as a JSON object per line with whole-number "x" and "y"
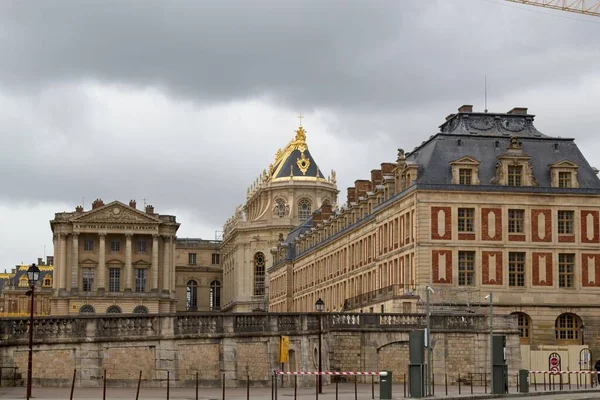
{"x": 115, "y": 245}
{"x": 466, "y": 268}
{"x": 141, "y": 246}
{"x": 516, "y": 269}
{"x": 565, "y": 222}
{"x": 216, "y": 259}
{"x": 192, "y": 258}
{"x": 465, "y": 175}
{"x": 514, "y": 175}
{"x": 114, "y": 280}
{"x": 88, "y": 245}
{"x": 140, "y": 280}
{"x": 566, "y": 270}
{"x": 88, "y": 279}
{"x": 516, "y": 221}
{"x": 564, "y": 179}
{"x": 466, "y": 217}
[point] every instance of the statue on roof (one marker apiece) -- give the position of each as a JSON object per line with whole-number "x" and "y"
{"x": 333, "y": 180}
{"x": 300, "y": 134}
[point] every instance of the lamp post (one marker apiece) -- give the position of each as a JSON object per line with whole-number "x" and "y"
{"x": 33, "y": 274}
{"x": 320, "y": 306}
{"x": 491, "y": 297}
{"x": 582, "y": 328}
{"x": 428, "y": 289}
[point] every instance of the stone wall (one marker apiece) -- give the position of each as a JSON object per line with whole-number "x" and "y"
{"x": 240, "y": 346}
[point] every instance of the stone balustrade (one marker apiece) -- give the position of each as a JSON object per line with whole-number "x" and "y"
{"x": 130, "y": 327}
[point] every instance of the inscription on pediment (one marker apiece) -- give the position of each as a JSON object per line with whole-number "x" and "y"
{"x": 116, "y": 214}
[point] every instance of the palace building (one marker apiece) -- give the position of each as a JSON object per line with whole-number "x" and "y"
{"x": 487, "y": 205}
{"x": 282, "y": 196}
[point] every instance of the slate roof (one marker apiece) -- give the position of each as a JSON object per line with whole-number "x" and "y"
{"x": 514, "y": 123}
{"x": 289, "y": 160}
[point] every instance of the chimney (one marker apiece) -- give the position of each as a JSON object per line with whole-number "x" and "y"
{"x": 97, "y": 204}
{"x": 362, "y": 186}
{"x": 351, "y": 195}
{"x": 49, "y": 260}
{"x": 317, "y": 218}
{"x": 326, "y": 210}
{"x": 376, "y": 177}
{"x": 40, "y": 261}
{"x": 387, "y": 168}
{"x": 132, "y": 203}
{"x": 518, "y": 111}
{"x": 465, "y": 109}
{"x": 149, "y": 209}
{"x": 79, "y": 210}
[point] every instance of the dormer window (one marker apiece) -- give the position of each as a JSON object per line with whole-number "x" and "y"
{"x": 465, "y": 175}
{"x": 465, "y": 171}
{"x": 515, "y": 174}
{"x": 564, "y": 174}
{"x": 564, "y": 179}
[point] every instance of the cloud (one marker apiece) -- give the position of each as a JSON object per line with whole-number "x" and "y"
{"x": 185, "y": 103}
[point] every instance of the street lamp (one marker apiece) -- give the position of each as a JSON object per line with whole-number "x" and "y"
{"x": 428, "y": 289}
{"x": 491, "y": 297}
{"x": 320, "y": 306}
{"x": 33, "y": 274}
{"x": 582, "y": 328}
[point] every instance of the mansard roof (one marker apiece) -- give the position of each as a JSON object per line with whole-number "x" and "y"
{"x": 459, "y": 139}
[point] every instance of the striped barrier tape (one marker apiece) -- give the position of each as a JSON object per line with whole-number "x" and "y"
{"x": 323, "y": 373}
{"x": 564, "y": 372}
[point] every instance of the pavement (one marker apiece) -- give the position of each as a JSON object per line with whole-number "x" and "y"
{"x": 345, "y": 392}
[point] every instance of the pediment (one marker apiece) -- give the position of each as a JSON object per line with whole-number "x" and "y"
{"x": 115, "y": 262}
{"x": 564, "y": 164}
{"x": 141, "y": 263}
{"x": 466, "y": 160}
{"x": 88, "y": 262}
{"x": 117, "y": 212}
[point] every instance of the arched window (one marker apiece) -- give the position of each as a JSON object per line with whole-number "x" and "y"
{"x": 113, "y": 310}
{"x": 524, "y": 323}
{"x": 568, "y": 328}
{"x": 140, "y": 310}
{"x": 215, "y": 295}
{"x": 304, "y": 209}
{"x": 23, "y": 281}
{"x": 87, "y": 309}
{"x": 259, "y": 274}
{"x": 47, "y": 282}
{"x": 192, "y": 295}
{"x": 280, "y": 208}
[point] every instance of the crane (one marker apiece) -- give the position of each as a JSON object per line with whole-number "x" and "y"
{"x": 585, "y": 7}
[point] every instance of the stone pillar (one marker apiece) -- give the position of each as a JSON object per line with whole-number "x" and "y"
{"x": 102, "y": 263}
{"x": 74, "y": 262}
{"x": 166, "y": 266}
{"x": 62, "y": 238}
{"x": 154, "y": 268}
{"x": 55, "y": 280}
{"x": 173, "y": 267}
{"x": 128, "y": 271}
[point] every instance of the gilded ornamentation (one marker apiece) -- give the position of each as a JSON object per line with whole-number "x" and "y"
{"x": 303, "y": 163}
{"x": 300, "y": 135}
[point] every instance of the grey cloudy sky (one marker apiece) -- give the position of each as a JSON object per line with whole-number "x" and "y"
{"x": 183, "y": 103}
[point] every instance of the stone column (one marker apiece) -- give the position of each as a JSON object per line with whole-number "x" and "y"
{"x": 62, "y": 238}
{"x": 128, "y": 271}
{"x": 154, "y": 268}
{"x": 166, "y": 263}
{"x": 173, "y": 267}
{"x": 102, "y": 263}
{"x": 55, "y": 247}
{"x": 74, "y": 262}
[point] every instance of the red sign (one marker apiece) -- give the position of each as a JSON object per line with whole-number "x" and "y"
{"x": 554, "y": 363}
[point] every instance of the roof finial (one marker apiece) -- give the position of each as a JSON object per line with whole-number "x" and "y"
{"x": 300, "y": 118}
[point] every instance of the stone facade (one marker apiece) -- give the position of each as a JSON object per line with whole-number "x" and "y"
{"x": 283, "y": 196}
{"x": 488, "y": 205}
{"x": 14, "y": 287}
{"x": 113, "y": 258}
{"x": 240, "y": 345}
